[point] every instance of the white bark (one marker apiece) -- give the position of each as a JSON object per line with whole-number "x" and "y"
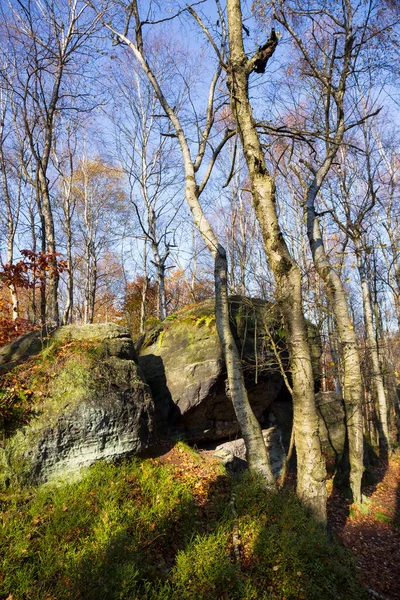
{"x": 311, "y": 473}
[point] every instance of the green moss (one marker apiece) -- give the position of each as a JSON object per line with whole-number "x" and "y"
{"x": 206, "y": 320}
{"x": 160, "y": 338}
{"x": 62, "y": 375}
{"x": 140, "y": 530}
{"x": 74, "y": 383}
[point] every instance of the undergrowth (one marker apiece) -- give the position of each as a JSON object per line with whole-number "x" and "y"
{"x": 61, "y": 369}
{"x": 150, "y": 531}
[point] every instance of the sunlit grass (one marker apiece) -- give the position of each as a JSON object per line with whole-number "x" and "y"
{"x": 141, "y": 530}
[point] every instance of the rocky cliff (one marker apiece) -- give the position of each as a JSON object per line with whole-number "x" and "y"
{"x": 92, "y": 395}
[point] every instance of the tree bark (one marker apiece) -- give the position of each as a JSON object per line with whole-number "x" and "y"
{"x": 52, "y": 316}
{"x": 377, "y": 379}
{"x": 144, "y": 289}
{"x": 352, "y": 378}
{"x": 251, "y": 431}
{"x": 311, "y": 474}
{"x": 67, "y": 316}
{"x": 11, "y": 287}
{"x": 256, "y": 451}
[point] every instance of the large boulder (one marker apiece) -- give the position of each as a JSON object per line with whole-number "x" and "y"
{"x": 94, "y": 405}
{"x": 182, "y": 361}
{"x": 331, "y": 424}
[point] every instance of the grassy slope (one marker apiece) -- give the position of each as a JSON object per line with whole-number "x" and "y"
{"x": 151, "y": 531}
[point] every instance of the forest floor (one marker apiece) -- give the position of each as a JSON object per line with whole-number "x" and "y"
{"x": 371, "y": 532}
{"x": 173, "y": 526}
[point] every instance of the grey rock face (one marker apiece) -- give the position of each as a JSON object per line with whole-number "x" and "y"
{"x": 332, "y": 423}
{"x": 236, "y": 449}
{"x": 182, "y": 362}
{"x": 100, "y": 408}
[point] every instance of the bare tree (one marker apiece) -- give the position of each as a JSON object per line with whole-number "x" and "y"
{"x": 99, "y": 197}
{"x": 331, "y": 49}
{"x": 147, "y": 154}
{"x": 250, "y": 428}
{"x": 11, "y": 191}
{"x": 357, "y": 207}
{"x": 311, "y": 466}
{"x": 46, "y": 41}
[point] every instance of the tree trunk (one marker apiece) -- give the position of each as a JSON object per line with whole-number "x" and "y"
{"x": 93, "y": 288}
{"x": 67, "y": 316}
{"x": 250, "y": 428}
{"x": 34, "y": 249}
{"x": 256, "y": 451}
{"x": 12, "y": 289}
{"x": 162, "y": 302}
{"x": 144, "y": 289}
{"x": 352, "y": 378}
{"x": 311, "y": 473}
{"x": 87, "y": 282}
{"x": 338, "y": 376}
{"x": 159, "y": 263}
{"x": 52, "y": 293}
{"x": 372, "y": 349}
{"x": 43, "y": 300}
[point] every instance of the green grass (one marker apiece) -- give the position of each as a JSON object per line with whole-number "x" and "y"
{"x": 382, "y": 517}
{"x": 141, "y": 530}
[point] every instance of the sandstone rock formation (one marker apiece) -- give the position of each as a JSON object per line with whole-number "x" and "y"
{"x": 182, "y": 362}
{"x": 98, "y": 406}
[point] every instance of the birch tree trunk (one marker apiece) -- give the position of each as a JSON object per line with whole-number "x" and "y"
{"x": 43, "y": 285}
{"x": 52, "y": 285}
{"x": 12, "y": 216}
{"x": 377, "y": 379}
{"x": 352, "y": 379}
{"x": 256, "y": 451}
{"x": 159, "y": 263}
{"x": 144, "y": 289}
{"x": 311, "y": 472}
{"x": 67, "y": 316}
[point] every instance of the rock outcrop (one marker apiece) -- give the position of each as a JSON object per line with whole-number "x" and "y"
{"x": 97, "y": 406}
{"x": 183, "y": 364}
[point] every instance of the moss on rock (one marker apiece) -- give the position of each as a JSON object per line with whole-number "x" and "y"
{"x": 88, "y": 402}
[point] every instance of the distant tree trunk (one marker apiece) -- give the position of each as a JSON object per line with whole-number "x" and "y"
{"x": 162, "y": 301}
{"x": 53, "y": 279}
{"x": 34, "y": 249}
{"x": 91, "y": 279}
{"x": 12, "y": 215}
{"x": 43, "y": 286}
{"x": 334, "y": 351}
{"x": 377, "y": 379}
{"x": 11, "y": 287}
{"x": 311, "y": 472}
{"x": 92, "y": 288}
{"x": 352, "y": 379}
{"x": 67, "y": 316}
{"x": 87, "y": 283}
{"x": 159, "y": 263}
{"x": 144, "y": 289}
